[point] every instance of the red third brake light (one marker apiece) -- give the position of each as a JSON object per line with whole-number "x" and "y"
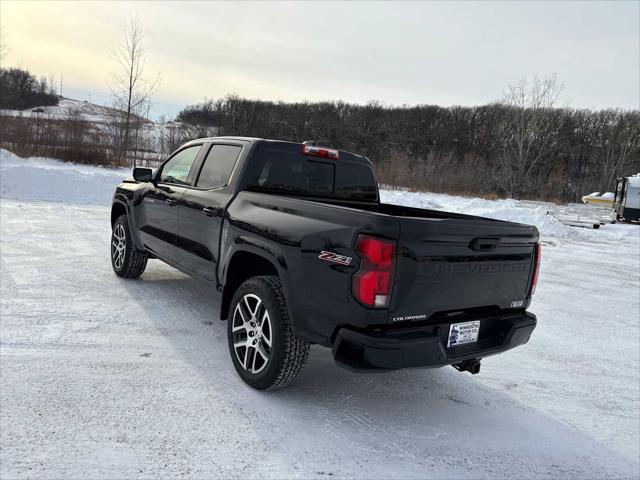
{"x": 536, "y": 272}
{"x": 372, "y": 284}
{"x": 321, "y": 152}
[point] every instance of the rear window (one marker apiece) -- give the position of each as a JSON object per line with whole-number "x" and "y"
{"x": 285, "y": 169}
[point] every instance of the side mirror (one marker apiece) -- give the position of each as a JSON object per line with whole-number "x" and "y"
{"x": 142, "y": 174}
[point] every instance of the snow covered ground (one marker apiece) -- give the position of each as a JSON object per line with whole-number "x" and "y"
{"x": 102, "y": 377}
{"x": 50, "y": 180}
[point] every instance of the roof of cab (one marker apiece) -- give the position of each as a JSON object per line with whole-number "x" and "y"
{"x": 354, "y": 156}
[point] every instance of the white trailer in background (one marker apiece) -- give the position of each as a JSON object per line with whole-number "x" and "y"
{"x": 627, "y": 199}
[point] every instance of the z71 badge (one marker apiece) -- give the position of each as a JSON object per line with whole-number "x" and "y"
{"x": 334, "y": 257}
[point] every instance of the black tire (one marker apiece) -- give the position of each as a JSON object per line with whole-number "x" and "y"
{"x": 287, "y": 354}
{"x": 132, "y": 262}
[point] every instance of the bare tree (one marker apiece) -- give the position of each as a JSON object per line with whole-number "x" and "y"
{"x": 616, "y": 138}
{"x": 4, "y": 46}
{"x": 129, "y": 86}
{"x": 528, "y": 135}
{"x": 52, "y": 85}
{"x": 75, "y": 129}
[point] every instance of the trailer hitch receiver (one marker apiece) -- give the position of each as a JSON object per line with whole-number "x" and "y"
{"x": 472, "y": 366}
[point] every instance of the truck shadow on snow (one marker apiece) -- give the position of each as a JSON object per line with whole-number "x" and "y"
{"x": 425, "y": 414}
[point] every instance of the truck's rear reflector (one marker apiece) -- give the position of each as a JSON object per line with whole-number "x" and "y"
{"x": 321, "y": 152}
{"x": 536, "y": 272}
{"x": 372, "y": 284}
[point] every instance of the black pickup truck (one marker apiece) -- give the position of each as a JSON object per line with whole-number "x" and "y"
{"x": 297, "y": 243}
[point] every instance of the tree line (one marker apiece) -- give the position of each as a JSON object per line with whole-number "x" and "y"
{"x": 520, "y": 147}
{"x": 20, "y": 89}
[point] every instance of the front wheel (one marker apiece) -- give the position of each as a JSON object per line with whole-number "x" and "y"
{"x": 265, "y": 352}
{"x": 127, "y": 261}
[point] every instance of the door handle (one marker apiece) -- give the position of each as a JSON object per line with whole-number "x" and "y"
{"x": 171, "y": 202}
{"x": 209, "y": 212}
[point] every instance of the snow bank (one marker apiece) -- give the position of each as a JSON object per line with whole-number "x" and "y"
{"x": 510, "y": 210}
{"x": 499, "y": 209}
{"x": 51, "y": 180}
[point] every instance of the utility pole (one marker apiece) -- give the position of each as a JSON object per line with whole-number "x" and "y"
{"x": 60, "y": 84}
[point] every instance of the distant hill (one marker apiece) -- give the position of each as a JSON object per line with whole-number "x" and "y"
{"x": 67, "y": 107}
{"x": 84, "y": 132}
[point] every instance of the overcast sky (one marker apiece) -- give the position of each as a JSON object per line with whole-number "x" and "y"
{"x": 399, "y": 53}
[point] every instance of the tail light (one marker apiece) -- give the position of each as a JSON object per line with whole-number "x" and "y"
{"x": 372, "y": 284}
{"x": 321, "y": 152}
{"x": 536, "y": 272}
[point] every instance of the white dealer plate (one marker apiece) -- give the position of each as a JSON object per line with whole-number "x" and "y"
{"x": 461, "y": 333}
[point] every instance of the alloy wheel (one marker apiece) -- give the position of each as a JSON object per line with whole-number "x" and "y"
{"x": 118, "y": 246}
{"x": 252, "y": 333}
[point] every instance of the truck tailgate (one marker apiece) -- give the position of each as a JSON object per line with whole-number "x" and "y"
{"x": 461, "y": 267}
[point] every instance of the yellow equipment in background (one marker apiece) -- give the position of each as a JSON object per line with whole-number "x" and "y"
{"x": 597, "y": 198}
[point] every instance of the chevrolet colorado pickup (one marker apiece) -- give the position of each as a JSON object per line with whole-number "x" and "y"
{"x": 295, "y": 241}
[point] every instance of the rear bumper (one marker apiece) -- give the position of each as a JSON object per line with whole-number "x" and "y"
{"x": 427, "y": 346}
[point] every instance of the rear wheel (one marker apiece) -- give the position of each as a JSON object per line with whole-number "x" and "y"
{"x": 265, "y": 352}
{"x": 127, "y": 261}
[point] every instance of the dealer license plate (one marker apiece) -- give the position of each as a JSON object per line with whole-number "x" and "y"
{"x": 461, "y": 333}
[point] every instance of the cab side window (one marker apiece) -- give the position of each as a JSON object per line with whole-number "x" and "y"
{"x": 218, "y": 166}
{"x": 176, "y": 170}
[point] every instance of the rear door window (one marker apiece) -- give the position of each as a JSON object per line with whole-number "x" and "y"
{"x": 218, "y": 166}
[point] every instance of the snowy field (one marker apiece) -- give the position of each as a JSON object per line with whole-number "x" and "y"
{"x": 102, "y": 377}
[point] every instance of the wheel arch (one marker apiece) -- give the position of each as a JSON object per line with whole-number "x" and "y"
{"x": 244, "y": 264}
{"x": 118, "y": 208}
